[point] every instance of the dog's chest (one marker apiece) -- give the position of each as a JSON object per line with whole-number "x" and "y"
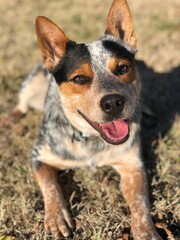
{"x": 95, "y": 153}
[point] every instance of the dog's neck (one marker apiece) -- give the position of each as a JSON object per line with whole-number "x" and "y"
{"x": 78, "y": 136}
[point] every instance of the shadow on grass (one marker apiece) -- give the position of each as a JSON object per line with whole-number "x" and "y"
{"x": 160, "y": 105}
{"x": 70, "y": 189}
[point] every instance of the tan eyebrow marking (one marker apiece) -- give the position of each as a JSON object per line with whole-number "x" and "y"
{"x": 83, "y": 70}
{"x": 69, "y": 88}
{"x": 128, "y": 77}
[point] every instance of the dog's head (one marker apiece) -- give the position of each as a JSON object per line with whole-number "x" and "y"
{"x": 98, "y": 82}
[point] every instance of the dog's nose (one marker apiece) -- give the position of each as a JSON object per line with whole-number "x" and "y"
{"x": 112, "y": 104}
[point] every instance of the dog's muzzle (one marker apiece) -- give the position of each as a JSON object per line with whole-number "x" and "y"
{"x": 114, "y": 132}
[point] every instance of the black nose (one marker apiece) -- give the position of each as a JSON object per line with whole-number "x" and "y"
{"x": 112, "y": 104}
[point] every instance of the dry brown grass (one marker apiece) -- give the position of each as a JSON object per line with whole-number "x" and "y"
{"x": 94, "y": 197}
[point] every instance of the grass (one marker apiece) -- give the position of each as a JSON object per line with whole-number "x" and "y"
{"x": 94, "y": 197}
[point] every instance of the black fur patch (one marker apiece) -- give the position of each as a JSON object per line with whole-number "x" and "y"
{"x": 76, "y": 54}
{"x": 117, "y": 50}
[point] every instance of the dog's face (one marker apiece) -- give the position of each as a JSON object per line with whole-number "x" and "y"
{"x": 98, "y": 82}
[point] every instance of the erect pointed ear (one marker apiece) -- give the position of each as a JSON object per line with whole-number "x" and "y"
{"x": 120, "y": 24}
{"x": 52, "y": 41}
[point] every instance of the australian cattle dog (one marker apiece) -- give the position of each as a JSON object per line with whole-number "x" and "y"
{"x": 91, "y": 116}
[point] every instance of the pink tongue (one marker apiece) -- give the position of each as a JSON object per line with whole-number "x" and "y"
{"x": 115, "y": 130}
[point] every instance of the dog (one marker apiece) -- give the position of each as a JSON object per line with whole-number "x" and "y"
{"x": 90, "y": 96}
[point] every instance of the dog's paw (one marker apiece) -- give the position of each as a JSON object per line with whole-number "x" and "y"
{"x": 150, "y": 234}
{"x": 58, "y": 220}
{"x": 143, "y": 228}
{"x": 148, "y": 237}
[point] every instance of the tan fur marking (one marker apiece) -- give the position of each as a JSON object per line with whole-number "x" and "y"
{"x": 83, "y": 70}
{"x": 74, "y": 95}
{"x": 51, "y": 159}
{"x": 70, "y": 88}
{"x": 57, "y": 217}
{"x": 128, "y": 77}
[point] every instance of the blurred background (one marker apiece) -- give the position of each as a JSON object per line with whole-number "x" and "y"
{"x": 94, "y": 198}
{"x": 156, "y": 24}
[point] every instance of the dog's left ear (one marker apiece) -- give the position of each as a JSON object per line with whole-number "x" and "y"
{"x": 120, "y": 24}
{"x": 52, "y": 41}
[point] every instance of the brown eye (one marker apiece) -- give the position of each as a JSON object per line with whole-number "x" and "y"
{"x": 80, "y": 79}
{"x": 122, "y": 69}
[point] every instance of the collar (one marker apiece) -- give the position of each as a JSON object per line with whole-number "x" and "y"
{"x": 78, "y": 136}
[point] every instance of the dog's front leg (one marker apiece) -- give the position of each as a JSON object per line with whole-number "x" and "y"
{"x": 134, "y": 188}
{"x": 57, "y": 218}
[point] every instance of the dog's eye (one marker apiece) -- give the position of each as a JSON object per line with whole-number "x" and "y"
{"x": 122, "y": 69}
{"x": 80, "y": 79}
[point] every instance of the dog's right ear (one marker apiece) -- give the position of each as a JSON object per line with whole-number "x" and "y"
{"x": 52, "y": 41}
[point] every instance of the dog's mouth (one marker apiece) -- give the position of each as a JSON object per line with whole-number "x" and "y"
{"x": 114, "y": 132}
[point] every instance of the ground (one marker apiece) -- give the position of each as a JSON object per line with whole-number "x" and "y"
{"x": 94, "y": 196}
